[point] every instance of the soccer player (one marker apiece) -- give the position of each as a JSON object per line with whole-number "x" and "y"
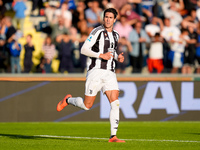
{"x": 101, "y": 47}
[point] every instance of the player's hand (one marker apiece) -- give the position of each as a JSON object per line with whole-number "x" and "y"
{"x": 121, "y": 58}
{"x": 106, "y": 56}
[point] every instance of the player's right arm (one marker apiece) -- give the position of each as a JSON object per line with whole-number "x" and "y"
{"x": 87, "y": 48}
{"x": 88, "y": 44}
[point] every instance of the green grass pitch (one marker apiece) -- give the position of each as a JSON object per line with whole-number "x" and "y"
{"x": 94, "y": 136}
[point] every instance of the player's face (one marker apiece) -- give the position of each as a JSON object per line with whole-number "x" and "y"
{"x": 109, "y": 20}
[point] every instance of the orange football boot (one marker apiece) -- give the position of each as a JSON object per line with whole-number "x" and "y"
{"x": 115, "y": 139}
{"x": 62, "y": 104}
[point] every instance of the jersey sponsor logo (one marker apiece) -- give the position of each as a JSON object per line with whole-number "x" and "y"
{"x": 90, "y": 38}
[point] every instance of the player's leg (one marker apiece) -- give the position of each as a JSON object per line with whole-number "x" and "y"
{"x": 112, "y": 96}
{"x": 85, "y": 104}
{"x": 76, "y": 101}
{"x": 92, "y": 86}
{"x": 114, "y": 112}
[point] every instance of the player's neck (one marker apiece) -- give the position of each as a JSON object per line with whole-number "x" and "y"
{"x": 109, "y": 29}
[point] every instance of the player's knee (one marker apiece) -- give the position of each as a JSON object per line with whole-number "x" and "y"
{"x": 115, "y": 104}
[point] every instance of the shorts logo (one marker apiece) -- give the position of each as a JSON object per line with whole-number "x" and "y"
{"x": 89, "y": 39}
{"x": 90, "y": 91}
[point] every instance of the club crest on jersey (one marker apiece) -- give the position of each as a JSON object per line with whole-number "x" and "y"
{"x": 90, "y": 38}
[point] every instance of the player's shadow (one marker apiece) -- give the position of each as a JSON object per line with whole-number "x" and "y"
{"x": 15, "y": 136}
{"x": 194, "y": 133}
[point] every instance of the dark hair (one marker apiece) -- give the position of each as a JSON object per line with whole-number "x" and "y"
{"x": 157, "y": 34}
{"x": 123, "y": 16}
{"x": 30, "y": 35}
{"x": 48, "y": 37}
{"x": 111, "y": 10}
{"x": 184, "y": 30}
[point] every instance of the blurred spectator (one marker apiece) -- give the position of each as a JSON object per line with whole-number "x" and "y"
{"x": 190, "y": 4}
{"x": 58, "y": 29}
{"x": 191, "y": 20}
{"x": 124, "y": 46}
{"x": 138, "y": 38}
{"x": 172, "y": 14}
{"x": 198, "y": 50}
{"x": 10, "y": 30}
{"x": 15, "y": 49}
{"x": 29, "y": 48}
{"x": 147, "y": 9}
{"x": 169, "y": 32}
{"x": 40, "y": 67}
{"x": 37, "y": 4}
{"x": 198, "y": 10}
{"x": 50, "y": 8}
{"x": 93, "y": 14}
{"x": 2, "y": 44}
{"x": 106, "y": 4}
{"x": 190, "y": 51}
{"x": 65, "y": 53}
{"x": 49, "y": 53}
{"x": 10, "y": 35}
{"x": 3, "y": 30}
{"x": 79, "y": 19}
{"x": 71, "y": 4}
{"x": 155, "y": 27}
{"x": 136, "y": 6}
{"x": 176, "y": 54}
{"x": 122, "y": 27}
{"x": 178, "y": 6}
{"x": 83, "y": 58}
{"x": 118, "y": 3}
{"x": 155, "y": 60}
{"x": 65, "y": 14}
{"x": 132, "y": 16}
{"x": 8, "y": 4}
{"x": 19, "y": 9}
{"x": 2, "y": 9}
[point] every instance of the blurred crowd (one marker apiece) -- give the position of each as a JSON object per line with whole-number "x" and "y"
{"x": 156, "y": 36}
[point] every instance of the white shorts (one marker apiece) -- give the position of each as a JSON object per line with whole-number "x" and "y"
{"x": 177, "y": 60}
{"x": 100, "y": 79}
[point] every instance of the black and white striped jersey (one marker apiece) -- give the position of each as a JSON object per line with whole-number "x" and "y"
{"x": 99, "y": 42}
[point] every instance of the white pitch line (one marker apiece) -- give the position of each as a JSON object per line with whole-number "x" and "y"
{"x": 95, "y": 138}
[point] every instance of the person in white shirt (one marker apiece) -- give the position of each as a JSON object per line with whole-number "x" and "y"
{"x": 155, "y": 60}
{"x": 154, "y": 28}
{"x": 169, "y": 31}
{"x": 177, "y": 50}
{"x": 174, "y": 16}
{"x": 65, "y": 14}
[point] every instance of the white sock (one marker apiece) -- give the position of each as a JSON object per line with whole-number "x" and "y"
{"x": 114, "y": 117}
{"x": 78, "y": 102}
